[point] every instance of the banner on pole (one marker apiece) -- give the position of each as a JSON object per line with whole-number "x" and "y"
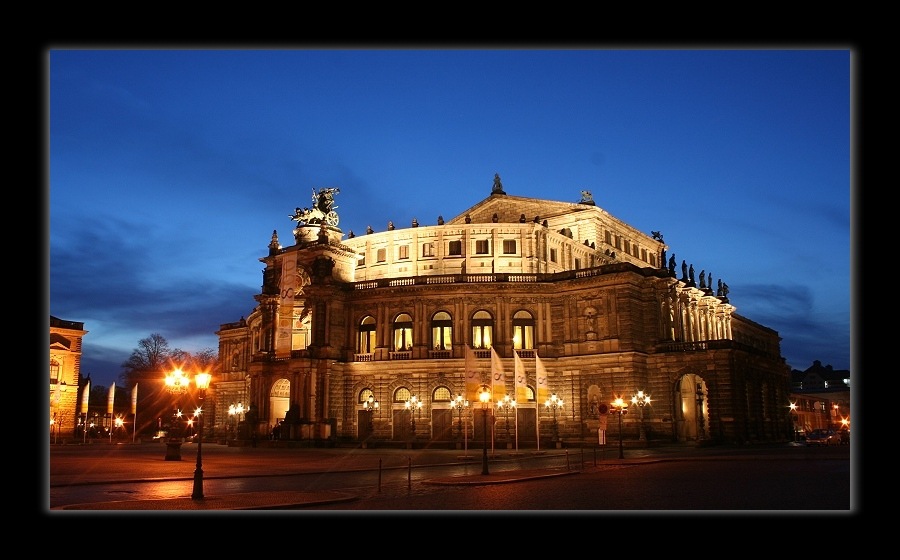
{"x": 473, "y": 380}
{"x": 134, "y": 399}
{"x": 498, "y": 377}
{"x": 112, "y": 398}
{"x": 86, "y": 396}
{"x": 521, "y": 379}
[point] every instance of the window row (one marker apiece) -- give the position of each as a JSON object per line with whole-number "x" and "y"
{"x": 481, "y": 332}
{"x": 402, "y": 395}
{"x": 454, "y": 249}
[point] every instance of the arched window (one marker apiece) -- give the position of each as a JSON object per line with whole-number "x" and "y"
{"x": 403, "y": 332}
{"x": 365, "y": 394}
{"x": 482, "y": 330}
{"x": 529, "y": 393}
{"x": 441, "y": 394}
{"x": 401, "y": 395}
{"x": 523, "y": 330}
{"x": 54, "y": 371}
{"x": 441, "y": 331}
{"x": 366, "y": 341}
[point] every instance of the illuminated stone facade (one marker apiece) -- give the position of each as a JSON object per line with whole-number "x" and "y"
{"x": 65, "y": 376}
{"x": 590, "y": 305}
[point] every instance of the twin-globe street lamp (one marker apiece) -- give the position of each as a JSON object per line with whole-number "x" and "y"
{"x": 506, "y": 404}
{"x": 235, "y": 412}
{"x": 460, "y": 404}
{"x": 484, "y": 395}
{"x": 371, "y": 406}
{"x": 553, "y": 403}
{"x": 177, "y": 383}
{"x": 413, "y": 404}
{"x": 641, "y": 399}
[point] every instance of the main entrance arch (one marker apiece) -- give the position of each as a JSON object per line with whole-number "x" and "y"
{"x": 279, "y": 401}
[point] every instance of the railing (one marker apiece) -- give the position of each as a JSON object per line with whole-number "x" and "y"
{"x": 363, "y": 357}
{"x": 439, "y": 354}
{"x": 403, "y": 355}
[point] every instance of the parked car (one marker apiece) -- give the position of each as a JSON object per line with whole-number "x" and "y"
{"x": 823, "y": 437}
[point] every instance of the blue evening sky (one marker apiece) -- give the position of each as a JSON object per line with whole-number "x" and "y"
{"x": 170, "y": 169}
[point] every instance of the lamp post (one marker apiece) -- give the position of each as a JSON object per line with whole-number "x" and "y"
{"x": 202, "y": 380}
{"x": 620, "y": 407}
{"x": 700, "y": 423}
{"x": 459, "y": 403}
{"x": 507, "y": 404}
{"x": 553, "y": 403}
{"x": 235, "y": 411}
{"x": 794, "y": 414}
{"x": 371, "y": 406}
{"x": 413, "y": 404}
{"x": 484, "y": 395}
{"x": 641, "y": 399}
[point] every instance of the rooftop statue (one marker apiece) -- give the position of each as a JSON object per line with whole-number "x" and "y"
{"x": 322, "y": 211}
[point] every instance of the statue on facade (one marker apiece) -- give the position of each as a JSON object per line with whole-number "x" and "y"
{"x": 691, "y": 274}
{"x": 322, "y": 211}
{"x": 684, "y": 269}
{"x": 587, "y": 197}
{"x": 672, "y": 265}
{"x": 703, "y": 278}
{"x": 498, "y": 186}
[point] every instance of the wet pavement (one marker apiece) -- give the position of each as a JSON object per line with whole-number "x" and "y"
{"x": 101, "y": 464}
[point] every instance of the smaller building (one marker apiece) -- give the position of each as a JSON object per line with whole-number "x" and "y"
{"x": 820, "y": 399}
{"x": 65, "y": 376}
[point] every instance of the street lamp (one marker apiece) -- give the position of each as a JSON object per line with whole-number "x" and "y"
{"x": 507, "y": 404}
{"x": 700, "y": 419}
{"x": 553, "y": 403}
{"x": 484, "y": 395}
{"x": 413, "y": 404}
{"x": 794, "y": 415}
{"x": 370, "y": 405}
{"x": 641, "y": 399}
{"x": 202, "y": 380}
{"x": 620, "y": 407}
{"x": 235, "y": 411}
{"x": 460, "y": 404}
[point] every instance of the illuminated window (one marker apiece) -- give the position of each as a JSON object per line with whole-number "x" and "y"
{"x": 482, "y": 330}
{"x": 441, "y": 394}
{"x": 54, "y": 371}
{"x": 365, "y": 394}
{"x": 402, "y": 394}
{"x": 403, "y": 332}
{"x": 366, "y": 342}
{"x": 523, "y": 330}
{"x": 441, "y": 331}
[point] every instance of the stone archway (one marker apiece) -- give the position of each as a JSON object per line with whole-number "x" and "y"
{"x": 279, "y": 401}
{"x": 691, "y": 396}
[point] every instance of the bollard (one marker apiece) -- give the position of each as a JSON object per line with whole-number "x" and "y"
{"x": 567, "y": 460}
{"x": 379, "y": 475}
{"x": 409, "y": 475}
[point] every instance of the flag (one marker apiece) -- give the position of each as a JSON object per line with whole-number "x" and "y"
{"x": 498, "y": 377}
{"x": 134, "y": 399}
{"x": 543, "y": 387}
{"x": 521, "y": 379}
{"x": 112, "y": 398}
{"x": 86, "y": 396}
{"x": 473, "y": 380}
